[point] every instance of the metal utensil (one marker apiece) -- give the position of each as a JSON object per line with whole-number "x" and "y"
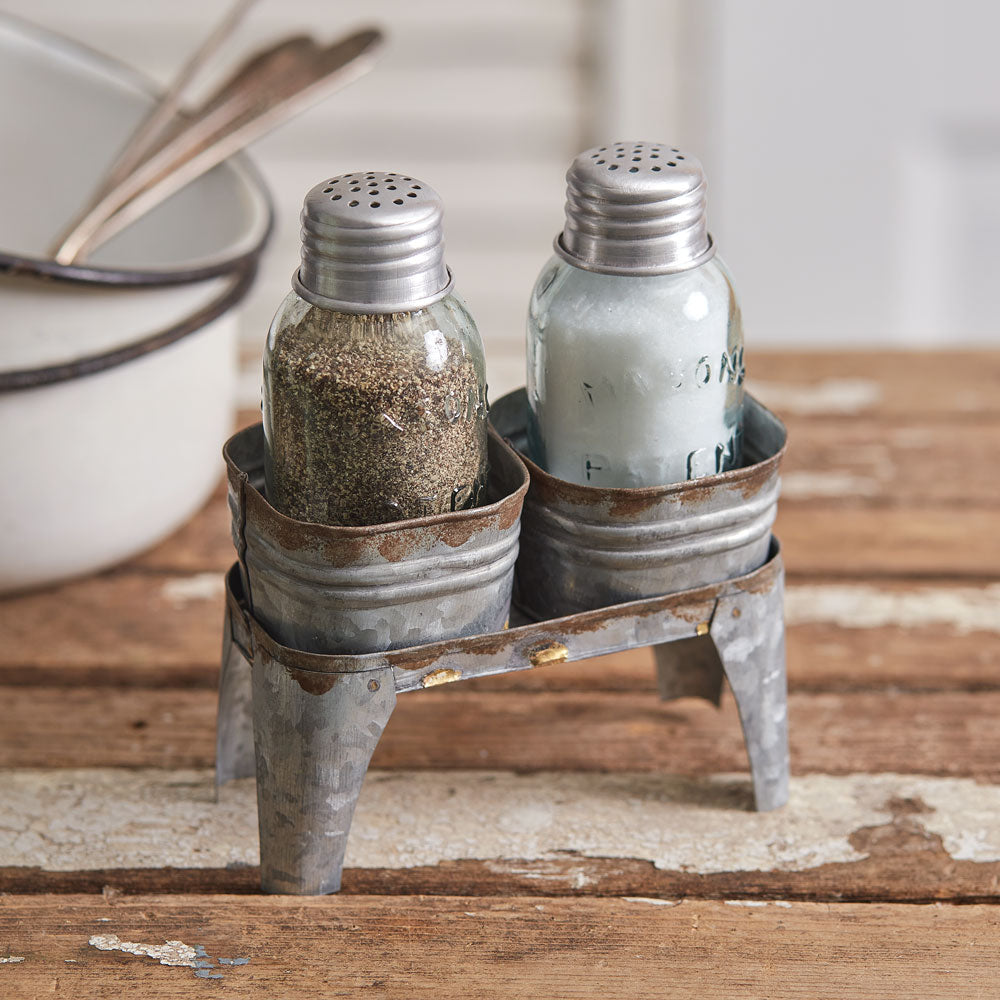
{"x": 150, "y": 130}
{"x": 268, "y": 89}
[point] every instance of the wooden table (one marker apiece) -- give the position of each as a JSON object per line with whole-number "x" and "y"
{"x": 565, "y": 833}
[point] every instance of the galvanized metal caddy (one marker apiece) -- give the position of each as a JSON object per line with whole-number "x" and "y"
{"x": 691, "y": 569}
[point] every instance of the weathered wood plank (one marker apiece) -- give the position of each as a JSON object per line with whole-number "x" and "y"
{"x": 124, "y": 627}
{"x": 834, "y": 540}
{"x": 904, "y": 462}
{"x": 481, "y": 947}
{"x": 132, "y": 628}
{"x": 924, "y": 385}
{"x": 942, "y": 733}
{"x": 863, "y": 837}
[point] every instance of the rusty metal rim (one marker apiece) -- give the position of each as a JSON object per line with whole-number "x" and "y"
{"x": 645, "y": 532}
{"x": 410, "y": 591}
{"x": 588, "y": 495}
{"x": 345, "y": 663}
{"x": 652, "y": 559}
{"x": 323, "y": 533}
{"x": 34, "y": 378}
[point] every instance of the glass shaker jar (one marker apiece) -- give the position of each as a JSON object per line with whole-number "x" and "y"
{"x": 635, "y": 341}
{"x": 374, "y": 398}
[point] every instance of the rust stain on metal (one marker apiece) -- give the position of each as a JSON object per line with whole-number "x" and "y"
{"x": 702, "y": 628}
{"x": 311, "y": 681}
{"x": 395, "y": 546}
{"x": 548, "y": 491}
{"x": 550, "y": 652}
{"x": 626, "y": 504}
{"x": 489, "y": 644}
{"x": 443, "y": 676}
{"x": 347, "y": 546}
{"x": 762, "y": 580}
{"x": 510, "y": 509}
{"x": 373, "y": 685}
{"x": 459, "y": 531}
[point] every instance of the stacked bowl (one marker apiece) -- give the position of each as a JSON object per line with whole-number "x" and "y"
{"x": 117, "y": 375}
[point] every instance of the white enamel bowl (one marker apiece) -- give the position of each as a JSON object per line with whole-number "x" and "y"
{"x": 117, "y": 378}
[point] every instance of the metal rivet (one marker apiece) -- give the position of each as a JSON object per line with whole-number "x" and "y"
{"x": 443, "y": 676}
{"x": 551, "y": 652}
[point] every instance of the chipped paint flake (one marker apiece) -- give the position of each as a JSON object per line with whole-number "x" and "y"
{"x": 651, "y": 901}
{"x": 963, "y": 609}
{"x": 169, "y": 953}
{"x": 11, "y": 959}
{"x": 199, "y": 587}
{"x": 830, "y": 395}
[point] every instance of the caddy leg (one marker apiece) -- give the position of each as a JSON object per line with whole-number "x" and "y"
{"x": 234, "y": 757}
{"x": 748, "y": 629}
{"x": 314, "y": 735}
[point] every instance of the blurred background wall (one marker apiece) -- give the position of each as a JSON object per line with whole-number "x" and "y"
{"x": 852, "y": 148}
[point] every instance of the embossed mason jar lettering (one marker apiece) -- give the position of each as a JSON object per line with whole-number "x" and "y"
{"x": 635, "y": 341}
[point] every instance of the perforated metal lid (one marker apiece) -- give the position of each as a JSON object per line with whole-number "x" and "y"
{"x": 635, "y": 208}
{"x": 372, "y": 243}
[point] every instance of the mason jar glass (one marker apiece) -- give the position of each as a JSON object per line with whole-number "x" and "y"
{"x": 634, "y": 380}
{"x": 373, "y": 418}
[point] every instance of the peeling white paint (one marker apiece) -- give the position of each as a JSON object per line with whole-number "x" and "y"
{"x": 198, "y": 587}
{"x": 170, "y": 953}
{"x": 843, "y": 396}
{"x": 528, "y": 826}
{"x": 963, "y": 609}
{"x": 11, "y": 959}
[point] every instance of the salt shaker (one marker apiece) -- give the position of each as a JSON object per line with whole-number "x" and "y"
{"x": 635, "y": 342}
{"x": 374, "y": 398}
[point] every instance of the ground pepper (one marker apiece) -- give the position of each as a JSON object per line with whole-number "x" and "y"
{"x": 374, "y": 418}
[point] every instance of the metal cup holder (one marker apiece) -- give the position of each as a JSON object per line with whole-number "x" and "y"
{"x": 690, "y": 569}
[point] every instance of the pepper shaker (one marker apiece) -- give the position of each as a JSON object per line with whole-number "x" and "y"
{"x": 374, "y": 399}
{"x": 635, "y": 342}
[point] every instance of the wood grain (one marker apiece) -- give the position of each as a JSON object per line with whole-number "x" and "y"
{"x": 831, "y": 539}
{"x": 121, "y": 628}
{"x": 483, "y": 947}
{"x": 940, "y": 733}
{"x": 895, "y": 462}
{"x": 923, "y": 386}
